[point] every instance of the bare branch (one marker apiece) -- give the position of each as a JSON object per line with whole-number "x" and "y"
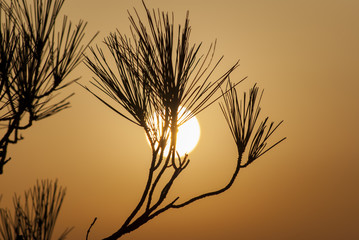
{"x": 88, "y": 230}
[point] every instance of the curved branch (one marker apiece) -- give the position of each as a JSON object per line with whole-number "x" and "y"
{"x": 225, "y": 188}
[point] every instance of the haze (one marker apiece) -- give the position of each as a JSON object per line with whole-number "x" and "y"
{"x": 303, "y": 53}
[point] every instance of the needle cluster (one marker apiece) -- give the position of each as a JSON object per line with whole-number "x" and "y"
{"x": 35, "y": 217}
{"x": 35, "y": 59}
{"x": 242, "y": 116}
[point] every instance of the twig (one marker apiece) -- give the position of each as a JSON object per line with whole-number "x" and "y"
{"x": 88, "y": 231}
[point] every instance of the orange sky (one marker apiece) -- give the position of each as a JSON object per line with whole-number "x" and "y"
{"x": 303, "y": 53}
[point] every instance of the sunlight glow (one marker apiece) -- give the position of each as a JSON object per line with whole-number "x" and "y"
{"x": 187, "y": 137}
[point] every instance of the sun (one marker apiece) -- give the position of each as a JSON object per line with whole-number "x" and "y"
{"x": 188, "y": 134}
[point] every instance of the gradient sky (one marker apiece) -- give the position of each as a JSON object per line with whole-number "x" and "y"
{"x": 303, "y": 53}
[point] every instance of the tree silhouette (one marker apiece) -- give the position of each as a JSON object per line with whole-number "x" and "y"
{"x": 159, "y": 76}
{"x": 35, "y": 61}
{"x": 36, "y": 217}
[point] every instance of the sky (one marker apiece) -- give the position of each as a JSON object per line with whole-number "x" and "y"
{"x": 303, "y": 53}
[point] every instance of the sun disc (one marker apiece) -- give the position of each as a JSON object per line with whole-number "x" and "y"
{"x": 187, "y": 137}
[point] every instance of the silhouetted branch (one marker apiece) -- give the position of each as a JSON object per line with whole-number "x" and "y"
{"x": 88, "y": 230}
{"x": 36, "y": 59}
{"x": 36, "y": 217}
{"x": 151, "y": 77}
{"x": 241, "y": 117}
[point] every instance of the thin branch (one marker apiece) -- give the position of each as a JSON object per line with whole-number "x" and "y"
{"x": 88, "y": 230}
{"x": 213, "y": 193}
